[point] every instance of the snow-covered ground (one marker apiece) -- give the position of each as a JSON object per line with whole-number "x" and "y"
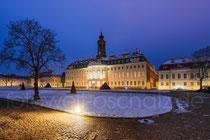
{"x": 100, "y": 104}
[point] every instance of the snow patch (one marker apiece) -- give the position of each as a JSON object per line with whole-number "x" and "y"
{"x": 182, "y": 105}
{"x": 146, "y": 121}
{"x": 100, "y": 104}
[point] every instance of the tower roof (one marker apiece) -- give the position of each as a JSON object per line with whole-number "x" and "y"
{"x": 101, "y": 36}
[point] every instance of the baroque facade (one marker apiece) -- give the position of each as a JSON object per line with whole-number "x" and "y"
{"x": 46, "y": 77}
{"x": 179, "y": 74}
{"x": 125, "y": 71}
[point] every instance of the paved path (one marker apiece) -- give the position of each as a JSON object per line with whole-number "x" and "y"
{"x": 24, "y": 121}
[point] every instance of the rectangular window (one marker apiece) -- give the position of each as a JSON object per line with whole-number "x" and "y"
{"x": 206, "y": 75}
{"x": 135, "y": 83}
{"x": 161, "y": 76}
{"x": 127, "y": 83}
{"x": 112, "y": 83}
{"x": 167, "y": 77}
{"x": 118, "y": 83}
{"x": 185, "y": 83}
{"x": 131, "y": 83}
{"x": 118, "y": 68}
{"x": 134, "y": 74}
{"x": 167, "y": 83}
{"x": 139, "y": 83}
{"x": 139, "y": 74}
{"x": 115, "y": 83}
{"x": 127, "y": 67}
{"x": 142, "y": 66}
{"x": 139, "y": 66}
{"x": 122, "y": 83}
{"x": 122, "y": 68}
{"x": 173, "y": 84}
{"x": 142, "y": 83}
{"x": 173, "y": 76}
{"x": 185, "y": 75}
{"x": 162, "y": 83}
{"x": 134, "y": 66}
{"x": 179, "y": 76}
{"x": 191, "y": 75}
{"x": 198, "y": 75}
{"x": 130, "y": 67}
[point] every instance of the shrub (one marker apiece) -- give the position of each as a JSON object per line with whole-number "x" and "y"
{"x": 23, "y": 87}
{"x": 73, "y": 88}
{"x": 48, "y": 85}
{"x": 105, "y": 86}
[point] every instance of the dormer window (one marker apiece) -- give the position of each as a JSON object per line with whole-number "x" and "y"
{"x": 172, "y": 61}
{"x": 165, "y": 67}
{"x": 179, "y": 66}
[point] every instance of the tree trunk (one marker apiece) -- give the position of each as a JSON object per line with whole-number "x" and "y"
{"x": 201, "y": 82}
{"x": 36, "y": 90}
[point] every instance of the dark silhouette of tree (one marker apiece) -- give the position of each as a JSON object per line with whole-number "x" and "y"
{"x": 63, "y": 79}
{"x": 32, "y": 48}
{"x": 6, "y": 80}
{"x": 73, "y": 88}
{"x": 201, "y": 59}
{"x": 23, "y": 87}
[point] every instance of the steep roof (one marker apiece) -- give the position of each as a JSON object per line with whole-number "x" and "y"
{"x": 110, "y": 60}
{"x": 173, "y": 64}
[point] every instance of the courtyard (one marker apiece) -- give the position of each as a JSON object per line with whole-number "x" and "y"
{"x": 188, "y": 119}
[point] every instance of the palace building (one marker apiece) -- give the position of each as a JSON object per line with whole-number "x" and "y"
{"x": 44, "y": 78}
{"x": 179, "y": 74}
{"x": 125, "y": 71}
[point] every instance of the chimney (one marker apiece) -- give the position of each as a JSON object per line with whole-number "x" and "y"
{"x": 87, "y": 58}
{"x": 125, "y": 51}
{"x": 82, "y": 58}
{"x": 172, "y": 58}
{"x": 112, "y": 54}
{"x": 137, "y": 50}
{"x": 182, "y": 57}
{"x": 92, "y": 57}
{"x": 75, "y": 60}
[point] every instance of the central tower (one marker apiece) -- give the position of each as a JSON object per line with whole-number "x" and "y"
{"x": 101, "y": 47}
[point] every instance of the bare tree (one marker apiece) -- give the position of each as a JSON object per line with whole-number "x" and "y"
{"x": 201, "y": 59}
{"x": 11, "y": 82}
{"x": 6, "y": 80}
{"x": 31, "y": 47}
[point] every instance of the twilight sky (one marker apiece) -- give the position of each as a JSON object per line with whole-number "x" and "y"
{"x": 159, "y": 28}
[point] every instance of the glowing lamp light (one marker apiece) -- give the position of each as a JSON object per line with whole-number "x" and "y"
{"x": 77, "y": 110}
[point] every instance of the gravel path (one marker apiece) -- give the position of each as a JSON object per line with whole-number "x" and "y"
{"x": 24, "y": 121}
